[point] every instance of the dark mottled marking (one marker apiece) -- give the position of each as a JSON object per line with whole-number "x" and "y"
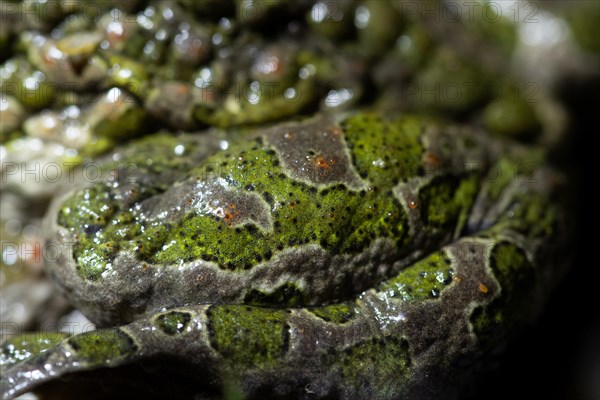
{"x": 288, "y": 295}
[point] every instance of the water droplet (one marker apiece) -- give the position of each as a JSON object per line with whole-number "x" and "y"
{"x": 362, "y": 16}
{"x": 179, "y": 149}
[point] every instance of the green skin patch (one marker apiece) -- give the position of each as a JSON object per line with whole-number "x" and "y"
{"x": 424, "y": 281}
{"x": 432, "y": 256}
{"x": 379, "y": 363}
{"x": 246, "y": 335}
{"x": 173, "y": 322}
{"x": 21, "y": 347}
{"x": 103, "y": 347}
{"x": 335, "y": 313}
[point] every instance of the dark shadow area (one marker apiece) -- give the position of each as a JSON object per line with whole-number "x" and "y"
{"x": 559, "y": 357}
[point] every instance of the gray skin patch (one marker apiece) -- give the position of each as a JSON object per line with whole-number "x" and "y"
{"x": 457, "y": 149}
{"x": 213, "y": 196}
{"x": 318, "y": 159}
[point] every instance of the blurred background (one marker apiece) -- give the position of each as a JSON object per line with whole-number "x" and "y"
{"x": 79, "y": 78}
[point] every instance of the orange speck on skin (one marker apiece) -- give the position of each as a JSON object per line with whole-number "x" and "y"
{"x": 323, "y": 163}
{"x": 432, "y": 159}
{"x": 182, "y": 89}
{"x": 483, "y": 288}
{"x": 334, "y": 130}
{"x": 457, "y": 279}
{"x": 289, "y": 135}
{"x": 412, "y": 204}
{"x": 229, "y": 215}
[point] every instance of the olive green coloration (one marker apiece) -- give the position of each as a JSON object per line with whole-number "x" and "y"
{"x": 382, "y": 363}
{"x": 21, "y": 347}
{"x": 12, "y": 115}
{"x": 512, "y": 116}
{"x": 105, "y": 221}
{"x": 248, "y": 335}
{"x": 103, "y": 347}
{"x": 220, "y": 238}
{"x": 584, "y": 29}
{"x": 90, "y": 206}
{"x": 336, "y": 313}
{"x": 385, "y": 153}
{"x": 130, "y": 75}
{"x": 461, "y": 84}
{"x": 446, "y": 202}
{"x": 173, "y": 322}
{"x": 124, "y": 123}
{"x": 426, "y": 279}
